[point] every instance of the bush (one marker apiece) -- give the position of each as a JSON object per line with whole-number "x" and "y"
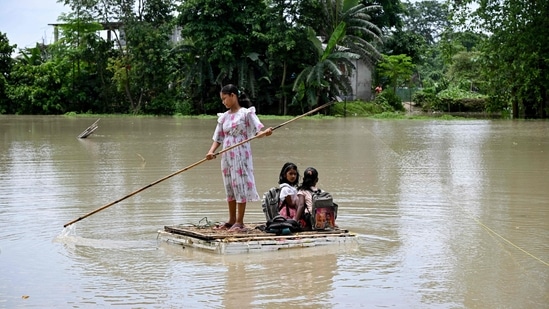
{"x": 184, "y": 107}
{"x": 457, "y": 100}
{"x": 496, "y": 104}
{"x": 162, "y": 104}
{"x": 355, "y": 108}
{"x": 426, "y": 99}
{"x": 450, "y": 100}
{"x": 391, "y": 98}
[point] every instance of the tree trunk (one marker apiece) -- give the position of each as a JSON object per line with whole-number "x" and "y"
{"x": 543, "y": 106}
{"x": 282, "y": 105}
{"x": 515, "y": 105}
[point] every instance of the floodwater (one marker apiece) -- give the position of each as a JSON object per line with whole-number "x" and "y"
{"x": 449, "y": 214}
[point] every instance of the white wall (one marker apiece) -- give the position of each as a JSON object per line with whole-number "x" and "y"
{"x": 361, "y": 80}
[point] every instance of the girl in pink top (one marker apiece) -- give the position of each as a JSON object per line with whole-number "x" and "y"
{"x": 305, "y": 197}
{"x": 288, "y": 180}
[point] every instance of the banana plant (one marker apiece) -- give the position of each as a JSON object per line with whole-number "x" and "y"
{"x": 330, "y": 75}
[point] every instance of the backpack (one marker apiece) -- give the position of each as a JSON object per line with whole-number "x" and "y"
{"x": 270, "y": 203}
{"x": 323, "y": 211}
{"x": 282, "y": 226}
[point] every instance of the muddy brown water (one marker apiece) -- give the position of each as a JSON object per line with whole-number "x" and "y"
{"x": 449, "y": 214}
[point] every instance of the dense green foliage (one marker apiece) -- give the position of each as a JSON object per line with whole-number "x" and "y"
{"x": 120, "y": 57}
{"x": 389, "y": 101}
{"x": 515, "y": 56}
{"x": 488, "y": 56}
{"x": 117, "y": 56}
{"x": 395, "y": 69}
{"x": 451, "y": 100}
{"x": 6, "y": 64}
{"x": 356, "y": 109}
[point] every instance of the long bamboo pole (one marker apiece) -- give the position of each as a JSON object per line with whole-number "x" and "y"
{"x": 192, "y": 165}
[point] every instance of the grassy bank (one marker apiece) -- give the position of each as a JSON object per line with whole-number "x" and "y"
{"x": 337, "y": 110}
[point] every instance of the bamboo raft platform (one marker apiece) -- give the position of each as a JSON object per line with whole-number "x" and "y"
{"x": 252, "y": 241}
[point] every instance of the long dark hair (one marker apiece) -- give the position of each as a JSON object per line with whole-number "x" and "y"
{"x": 285, "y": 168}
{"x": 242, "y": 97}
{"x": 310, "y": 178}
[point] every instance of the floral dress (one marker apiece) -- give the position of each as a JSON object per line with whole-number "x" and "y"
{"x": 236, "y": 164}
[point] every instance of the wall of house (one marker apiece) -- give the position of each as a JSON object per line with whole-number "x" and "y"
{"x": 361, "y": 80}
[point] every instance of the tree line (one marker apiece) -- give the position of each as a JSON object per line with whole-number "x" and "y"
{"x": 287, "y": 55}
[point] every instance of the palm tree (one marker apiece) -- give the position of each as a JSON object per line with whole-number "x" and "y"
{"x": 250, "y": 70}
{"x": 360, "y": 30}
{"x": 192, "y": 72}
{"x": 197, "y": 72}
{"x": 329, "y": 76}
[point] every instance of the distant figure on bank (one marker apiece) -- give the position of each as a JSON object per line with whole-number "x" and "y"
{"x": 378, "y": 89}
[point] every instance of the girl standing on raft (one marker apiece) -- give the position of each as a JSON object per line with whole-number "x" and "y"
{"x": 237, "y": 124}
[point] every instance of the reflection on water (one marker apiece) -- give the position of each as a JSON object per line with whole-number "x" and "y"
{"x": 450, "y": 214}
{"x": 257, "y": 280}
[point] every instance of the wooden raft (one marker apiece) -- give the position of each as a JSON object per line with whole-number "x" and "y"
{"x": 253, "y": 240}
